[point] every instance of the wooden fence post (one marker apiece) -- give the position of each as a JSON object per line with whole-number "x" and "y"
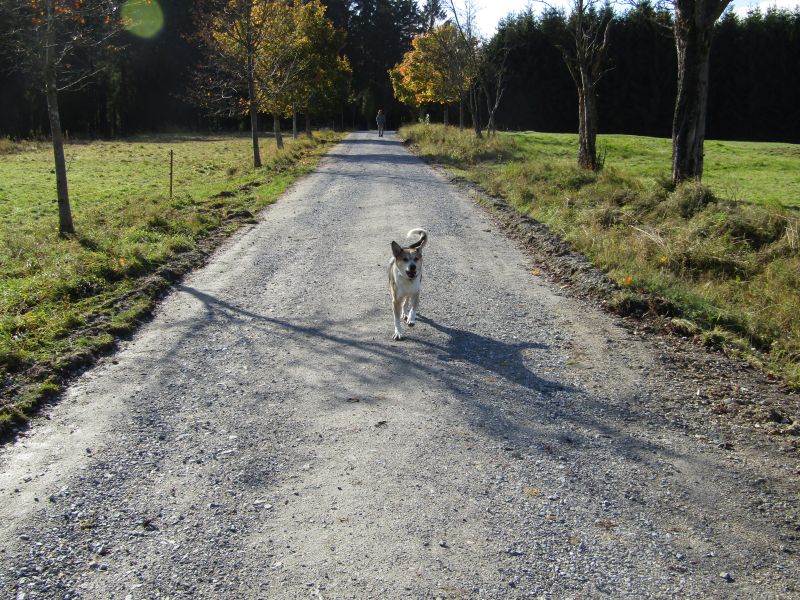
{"x": 170, "y": 173}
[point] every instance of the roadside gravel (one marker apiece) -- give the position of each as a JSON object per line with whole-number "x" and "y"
{"x": 263, "y": 436}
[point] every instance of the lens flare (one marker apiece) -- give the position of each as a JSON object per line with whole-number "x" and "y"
{"x": 143, "y": 18}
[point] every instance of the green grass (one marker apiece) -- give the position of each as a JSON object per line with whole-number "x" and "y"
{"x": 761, "y": 173}
{"x": 64, "y": 299}
{"x": 724, "y": 260}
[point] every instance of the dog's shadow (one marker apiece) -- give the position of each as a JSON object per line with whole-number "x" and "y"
{"x": 503, "y": 359}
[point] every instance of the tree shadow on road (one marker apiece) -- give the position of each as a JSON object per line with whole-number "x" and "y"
{"x": 504, "y": 359}
{"x": 370, "y": 140}
{"x": 377, "y": 158}
{"x": 499, "y": 375}
{"x": 493, "y": 365}
{"x": 373, "y": 177}
{"x": 500, "y": 398}
{"x": 489, "y": 357}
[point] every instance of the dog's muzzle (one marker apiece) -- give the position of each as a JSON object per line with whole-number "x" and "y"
{"x": 411, "y": 274}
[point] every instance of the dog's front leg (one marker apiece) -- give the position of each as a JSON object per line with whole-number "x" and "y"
{"x": 413, "y": 301}
{"x": 397, "y": 308}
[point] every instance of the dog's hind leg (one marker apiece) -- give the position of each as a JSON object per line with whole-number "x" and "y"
{"x": 397, "y": 308}
{"x": 412, "y": 303}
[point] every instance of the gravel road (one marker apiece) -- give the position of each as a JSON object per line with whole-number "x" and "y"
{"x": 264, "y": 437}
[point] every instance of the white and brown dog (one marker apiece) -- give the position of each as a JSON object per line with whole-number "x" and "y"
{"x": 405, "y": 280}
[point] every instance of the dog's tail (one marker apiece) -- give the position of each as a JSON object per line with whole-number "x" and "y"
{"x": 423, "y": 238}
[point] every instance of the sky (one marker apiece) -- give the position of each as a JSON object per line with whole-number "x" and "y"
{"x": 491, "y": 11}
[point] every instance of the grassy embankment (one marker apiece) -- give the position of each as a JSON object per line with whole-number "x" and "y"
{"x": 62, "y": 300}
{"x": 722, "y": 259}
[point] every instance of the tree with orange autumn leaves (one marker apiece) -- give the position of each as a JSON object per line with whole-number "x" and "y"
{"x": 436, "y": 69}
{"x": 50, "y": 41}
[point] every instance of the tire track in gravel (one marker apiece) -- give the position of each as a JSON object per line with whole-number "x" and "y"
{"x": 263, "y": 437}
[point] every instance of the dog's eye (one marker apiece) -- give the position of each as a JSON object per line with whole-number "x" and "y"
{"x": 405, "y": 259}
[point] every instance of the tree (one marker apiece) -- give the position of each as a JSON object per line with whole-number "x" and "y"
{"x": 322, "y": 74}
{"x": 589, "y": 29}
{"x": 467, "y": 27}
{"x": 693, "y": 27}
{"x": 432, "y": 71}
{"x": 280, "y": 58}
{"x": 51, "y": 41}
{"x": 432, "y": 12}
{"x": 493, "y": 78}
{"x": 413, "y": 78}
{"x": 638, "y": 95}
{"x": 540, "y": 94}
{"x": 234, "y": 34}
{"x": 379, "y": 33}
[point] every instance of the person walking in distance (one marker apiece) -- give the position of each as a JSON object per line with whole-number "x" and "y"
{"x": 381, "y": 121}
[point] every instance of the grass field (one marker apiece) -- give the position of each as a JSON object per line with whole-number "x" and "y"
{"x": 723, "y": 258}
{"x": 762, "y": 173}
{"x": 64, "y": 299}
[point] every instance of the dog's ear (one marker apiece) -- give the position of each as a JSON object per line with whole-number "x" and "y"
{"x": 397, "y": 250}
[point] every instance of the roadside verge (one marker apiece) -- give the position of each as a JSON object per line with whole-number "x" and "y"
{"x": 729, "y": 384}
{"x": 66, "y": 301}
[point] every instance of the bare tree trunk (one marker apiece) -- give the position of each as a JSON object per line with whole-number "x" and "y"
{"x": 585, "y": 63}
{"x": 446, "y": 116}
{"x": 254, "y": 123}
{"x": 587, "y": 123}
{"x": 490, "y": 112}
{"x": 65, "y": 225}
{"x": 491, "y": 108}
{"x": 276, "y": 127}
{"x": 461, "y": 114}
{"x": 493, "y": 91}
{"x": 689, "y": 120}
{"x": 308, "y": 125}
{"x": 294, "y": 123}
{"x": 475, "y": 110}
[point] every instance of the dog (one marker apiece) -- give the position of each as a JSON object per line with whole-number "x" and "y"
{"x": 405, "y": 280}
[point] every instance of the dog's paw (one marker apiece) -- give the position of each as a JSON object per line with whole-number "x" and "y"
{"x": 397, "y": 336}
{"x": 411, "y": 323}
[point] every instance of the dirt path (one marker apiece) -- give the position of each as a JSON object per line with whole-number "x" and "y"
{"x": 263, "y": 437}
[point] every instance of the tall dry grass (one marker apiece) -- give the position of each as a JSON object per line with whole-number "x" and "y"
{"x": 727, "y": 271}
